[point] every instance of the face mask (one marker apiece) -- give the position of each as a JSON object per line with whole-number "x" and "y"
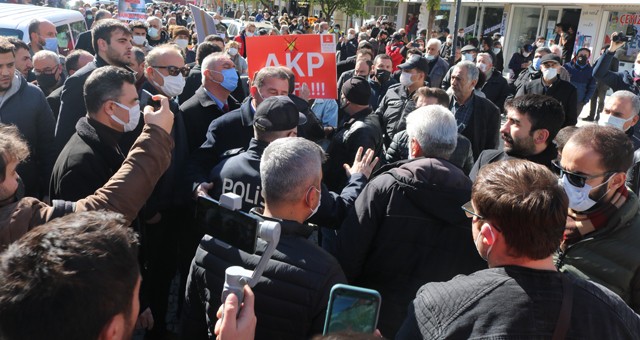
{"x": 429, "y": 57}
{"x": 216, "y": 21}
{"x": 479, "y": 240}
{"x": 482, "y": 67}
{"x": 579, "y": 199}
{"x": 325, "y": 32}
{"x": 405, "y": 79}
{"x": 173, "y": 85}
{"x": 610, "y": 120}
{"x": 248, "y": 34}
{"x": 89, "y": 16}
{"x": 536, "y": 63}
{"x": 229, "y": 79}
{"x": 467, "y": 56}
{"x": 46, "y": 81}
{"x": 526, "y": 54}
{"x": 51, "y": 44}
{"x": 182, "y": 43}
{"x": 153, "y": 32}
{"x": 495, "y": 50}
{"x": 449, "y": 41}
{"x": 315, "y": 210}
{"x": 549, "y": 73}
{"x": 139, "y": 40}
{"x": 636, "y": 69}
{"x": 582, "y": 60}
{"x": 134, "y": 117}
{"x": 539, "y": 44}
{"x": 350, "y": 36}
{"x": 383, "y": 76}
{"x": 233, "y": 51}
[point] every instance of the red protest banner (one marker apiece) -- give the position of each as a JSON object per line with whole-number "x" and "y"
{"x": 311, "y": 57}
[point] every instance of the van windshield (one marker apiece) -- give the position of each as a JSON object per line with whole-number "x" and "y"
{"x": 9, "y": 32}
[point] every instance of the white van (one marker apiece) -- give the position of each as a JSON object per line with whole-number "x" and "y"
{"x": 15, "y": 19}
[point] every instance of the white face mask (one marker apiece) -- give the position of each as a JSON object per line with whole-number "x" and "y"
{"x": 636, "y": 69}
{"x": 182, "y": 43}
{"x": 579, "y": 199}
{"x": 315, "y": 210}
{"x": 248, "y": 34}
{"x": 233, "y": 51}
{"x": 350, "y": 36}
{"x": 467, "y": 56}
{"x": 405, "y": 79}
{"x": 478, "y": 241}
{"x": 173, "y": 85}
{"x": 526, "y": 54}
{"x": 549, "y": 73}
{"x": 611, "y": 120}
{"x": 216, "y": 21}
{"x": 482, "y": 67}
{"x": 495, "y": 50}
{"x": 153, "y": 32}
{"x": 539, "y": 44}
{"x": 139, "y": 40}
{"x": 134, "y": 117}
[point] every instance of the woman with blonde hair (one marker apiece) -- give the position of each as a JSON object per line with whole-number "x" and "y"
{"x": 232, "y": 48}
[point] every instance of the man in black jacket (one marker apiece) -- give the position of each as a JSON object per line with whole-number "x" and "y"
{"x": 518, "y": 212}
{"x": 407, "y": 228}
{"x": 292, "y": 295}
{"x": 112, "y": 40}
{"x": 624, "y": 80}
{"x": 84, "y": 39}
{"x": 551, "y": 85}
{"x": 210, "y": 101}
{"x": 533, "y": 121}
{"x": 359, "y": 128}
{"x": 194, "y": 79}
{"x": 495, "y": 87}
{"x": 478, "y": 119}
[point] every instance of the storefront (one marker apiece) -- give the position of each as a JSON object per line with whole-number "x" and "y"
{"x": 521, "y": 21}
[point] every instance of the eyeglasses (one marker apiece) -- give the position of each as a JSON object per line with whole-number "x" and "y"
{"x": 470, "y": 212}
{"x": 46, "y": 71}
{"x": 174, "y": 70}
{"x": 577, "y": 180}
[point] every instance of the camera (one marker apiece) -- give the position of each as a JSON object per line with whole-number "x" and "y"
{"x": 620, "y": 37}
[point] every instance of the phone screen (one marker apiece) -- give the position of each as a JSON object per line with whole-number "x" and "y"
{"x": 236, "y": 228}
{"x": 352, "y": 309}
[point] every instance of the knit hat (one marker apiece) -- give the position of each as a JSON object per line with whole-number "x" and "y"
{"x": 357, "y": 90}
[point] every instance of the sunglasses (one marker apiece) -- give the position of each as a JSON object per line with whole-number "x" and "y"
{"x": 174, "y": 70}
{"x": 577, "y": 180}
{"x": 470, "y": 212}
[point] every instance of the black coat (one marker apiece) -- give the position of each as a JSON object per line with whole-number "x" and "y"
{"x": 491, "y": 156}
{"x": 393, "y": 110}
{"x": 407, "y": 229}
{"x": 198, "y": 112}
{"x": 360, "y": 130}
{"x": 496, "y": 89}
{"x": 85, "y": 42}
{"x": 291, "y": 296}
{"x": 561, "y": 90}
{"x": 87, "y": 161}
{"x": 483, "y": 129}
{"x": 54, "y": 101}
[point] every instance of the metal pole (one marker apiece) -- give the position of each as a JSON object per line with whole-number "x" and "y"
{"x": 452, "y": 57}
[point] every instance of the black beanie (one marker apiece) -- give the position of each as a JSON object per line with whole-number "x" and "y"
{"x": 357, "y": 90}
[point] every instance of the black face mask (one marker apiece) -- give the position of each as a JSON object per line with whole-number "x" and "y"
{"x": 383, "y": 76}
{"x": 582, "y": 60}
{"x": 46, "y": 81}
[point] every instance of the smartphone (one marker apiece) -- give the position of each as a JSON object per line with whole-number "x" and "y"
{"x": 151, "y": 102}
{"x": 235, "y": 228}
{"x": 352, "y": 309}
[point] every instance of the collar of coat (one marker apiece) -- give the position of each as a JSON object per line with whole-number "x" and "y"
{"x": 287, "y": 227}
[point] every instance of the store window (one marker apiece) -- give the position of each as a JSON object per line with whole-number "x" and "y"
{"x": 629, "y": 24}
{"x": 523, "y": 31}
{"x": 491, "y": 20}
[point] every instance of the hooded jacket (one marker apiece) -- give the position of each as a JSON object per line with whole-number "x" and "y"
{"x": 25, "y": 106}
{"x": 408, "y": 229}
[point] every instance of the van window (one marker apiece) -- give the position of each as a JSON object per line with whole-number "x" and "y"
{"x": 77, "y": 28}
{"x": 9, "y": 32}
{"x": 65, "y": 43}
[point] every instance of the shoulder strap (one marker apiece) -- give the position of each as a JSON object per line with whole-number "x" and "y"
{"x": 564, "y": 319}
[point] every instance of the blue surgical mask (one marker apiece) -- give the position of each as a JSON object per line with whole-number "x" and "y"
{"x": 229, "y": 79}
{"x": 51, "y": 44}
{"x": 536, "y": 63}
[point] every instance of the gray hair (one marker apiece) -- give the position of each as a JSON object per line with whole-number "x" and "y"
{"x": 624, "y": 94}
{"x": 556, "y": 49}
{"x": 153, "y": 18}
{"x": 472, "y": 70}
{"x": 270, "y": 72}
{"x": 288, "y": 167}
{"x": 434, "y": 128}
{"x": 363, "y": 36}
{"x": 158, "y": 51}
{"x": 434, "y": 41}
{"x": 544, "y": 49}
{"x": 486, "y": 55}
{"x": 45, "y": 54}
{"x": 210, "y": 60}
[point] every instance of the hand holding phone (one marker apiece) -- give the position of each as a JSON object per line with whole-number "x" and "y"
{"x": 352, "y": 309}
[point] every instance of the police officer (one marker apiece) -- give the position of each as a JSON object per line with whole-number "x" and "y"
{"x": 277, "y": 117}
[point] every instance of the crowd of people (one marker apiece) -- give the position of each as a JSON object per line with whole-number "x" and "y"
{"x": 469, "y": 200}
